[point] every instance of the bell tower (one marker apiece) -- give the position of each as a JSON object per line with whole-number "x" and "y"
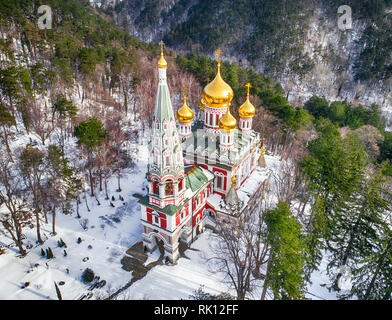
{"x": 166, "y": 168}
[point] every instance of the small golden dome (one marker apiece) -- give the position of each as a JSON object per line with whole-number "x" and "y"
{"x": 185, "y": 114}
{"x": 218, "y": 94}
{"x": 262, "y": 149}
{"x": 162, "y": 62}
{"x": 227, "y": 122}
{"x": 202, "y": 104}
{"x": 233, "y": 180}
{"x": 247, "y": 109}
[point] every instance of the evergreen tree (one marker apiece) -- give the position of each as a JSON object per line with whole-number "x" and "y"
{"x": 356, "y": 226}
{"x": 373, "y": 279}
{"x": 333, "y": 170}
{"x": 90, "y": 135}
{"x": 285, "y": 269}
{"x": 60, "y": 182}
{"x": 65, "y": 110}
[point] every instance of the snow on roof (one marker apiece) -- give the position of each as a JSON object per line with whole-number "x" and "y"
{"x": 218, "y": 202}
{"x": 249, "y": 187}
{"x": 253, "y": 183}
{"x": 208, "y": 173}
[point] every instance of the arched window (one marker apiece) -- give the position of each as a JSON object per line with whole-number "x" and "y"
{"x": 169, "y": 190}
{"x": 219, "y": 182}
{"x": 155, "y": 157}
{"x": 155, "y": 188}
{"x": 165, "y": 141}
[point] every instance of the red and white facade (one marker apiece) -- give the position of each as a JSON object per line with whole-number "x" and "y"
{"x": 190, "y": 173}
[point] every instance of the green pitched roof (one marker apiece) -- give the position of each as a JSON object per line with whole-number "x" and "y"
{"x": 195, "y": 178}
{"x": 168, "y": 210}
{"x": 163, "y": 106}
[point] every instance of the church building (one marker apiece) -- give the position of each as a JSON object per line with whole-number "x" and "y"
{"x": 201, "y": 167}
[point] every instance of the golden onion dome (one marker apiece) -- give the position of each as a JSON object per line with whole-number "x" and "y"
{"x": 247, "y": 109}
{"x": 162, "y": 62}
{"x": 185, "y": 114}
{"x": 218, "y": 94}
{"x": 227, "y": 122}
{"x": 233, "y": 180}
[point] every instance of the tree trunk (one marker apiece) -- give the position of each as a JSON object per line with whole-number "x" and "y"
{"x": 118, "y": 182}
{"x": 265, "y": 287}
{"x": 346, "y": 255}
{"x": 85, "y": 198}
{"x": 77, "y": 207}
{"x": 7, "y": 145}
{"x": 17, "y": 239}
{"x": 36, "y": 209}
{"x": 106, "y": 189}
{"x": 100, "y": 180}
{"x": 91, "y": 181}
{"x": 381, "y": 261}
{"x": 36, "y": 212}
{"x": 54, "y": 221}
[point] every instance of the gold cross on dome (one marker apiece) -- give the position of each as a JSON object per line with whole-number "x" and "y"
{"x": 161, "y": 43}
{"x": 248, "y": 85}
{"x": 218, "y": 52}
{"x": 185, "y": 89}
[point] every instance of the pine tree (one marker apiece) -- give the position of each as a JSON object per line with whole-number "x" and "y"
{"x": 357, "y": 224}
{"x": 334, "y": 170}
{"x": 285, "y": 270}
{"x": 373, "y": 279}
{"x": 90, "y": 135}
{"x": 65, "y": 110}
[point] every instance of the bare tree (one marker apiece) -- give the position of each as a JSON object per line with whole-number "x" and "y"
{"x": 238, "y": 251}
{"x": 32, "y": 169}
{"x": 371, "y": 137}
{"x": 233, "y": 255}
{"x": 14, "y": 213}
{"x": 287, "y": 181}
{"x": 41, "y": 120}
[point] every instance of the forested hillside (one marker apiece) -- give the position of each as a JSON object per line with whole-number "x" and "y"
{"x": 297, "y": 43}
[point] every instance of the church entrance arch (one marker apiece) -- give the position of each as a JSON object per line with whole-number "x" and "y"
{"x": 158, "y": 242}
{"x": 183, "y": 241}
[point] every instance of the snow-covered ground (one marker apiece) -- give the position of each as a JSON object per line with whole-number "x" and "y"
{"x": 109, "y": 233}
